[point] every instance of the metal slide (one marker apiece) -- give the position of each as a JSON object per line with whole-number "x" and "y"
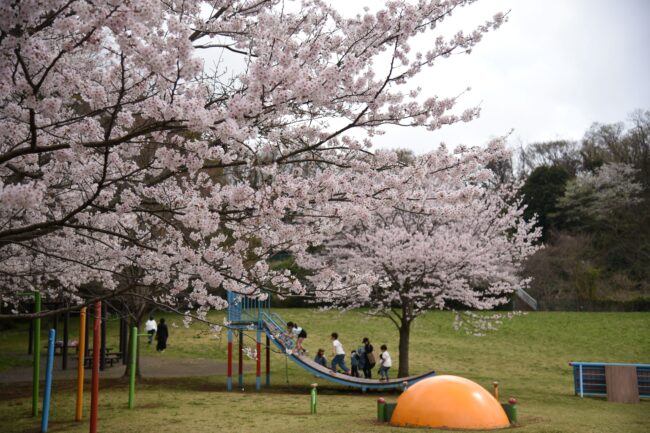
{"x": 275, "y": 328}
{"x": 524, "y": 296}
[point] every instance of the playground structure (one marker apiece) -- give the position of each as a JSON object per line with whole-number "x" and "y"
{"x": 98, "y": 359}
{"x": 590, "y": 378}
{"x": 449, "y": 402}
{"x": 427, "y": 399}
{"x": 254, "y": 314}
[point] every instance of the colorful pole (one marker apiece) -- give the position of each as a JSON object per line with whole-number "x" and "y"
{"x": 381, "y": 409}
{"x": 37, "y": 354}
{"x": 48, "y": 380}
{"x": 258, "y": 372}
{"x": 312, "y": 401}
{"x": 268, "y": 361}
{"x": 94, "y": 395}
{"x": 134, "y": 357}
{"x": 241, "y": 358}
{"x": 229, "y": 384}
{"x": 81, "y": 364}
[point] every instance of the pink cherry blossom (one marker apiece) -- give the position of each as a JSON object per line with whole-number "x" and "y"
{"x": 129, "y": 165}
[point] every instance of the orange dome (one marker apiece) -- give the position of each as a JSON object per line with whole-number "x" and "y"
{"x": 449, "y": 402}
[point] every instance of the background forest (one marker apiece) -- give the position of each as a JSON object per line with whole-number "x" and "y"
{"x": 591, "y": 199}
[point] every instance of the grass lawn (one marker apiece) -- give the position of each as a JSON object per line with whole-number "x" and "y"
{"x": 528, "y": 356}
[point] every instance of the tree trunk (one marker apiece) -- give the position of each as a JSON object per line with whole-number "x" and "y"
{"x": 404, "y": 339}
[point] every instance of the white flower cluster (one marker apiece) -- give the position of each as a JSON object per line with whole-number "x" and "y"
{"x": 480, "y": 324}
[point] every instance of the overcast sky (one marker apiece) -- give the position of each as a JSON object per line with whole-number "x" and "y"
{"x": 554, "y": 68}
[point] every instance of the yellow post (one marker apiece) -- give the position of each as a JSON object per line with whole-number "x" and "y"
{"x": 80, "y": 366}
{"x": 496, "y": 389}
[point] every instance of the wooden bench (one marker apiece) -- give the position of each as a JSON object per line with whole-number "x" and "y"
{"x": 590, "y": 378}
{"x": 109, "y": 359}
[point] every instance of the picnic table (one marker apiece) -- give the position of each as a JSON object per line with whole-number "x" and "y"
{"x": 110, "y": 358}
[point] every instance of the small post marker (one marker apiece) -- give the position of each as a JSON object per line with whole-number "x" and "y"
{"x": 496, "y": 390}
{"x": 381, "y": 409}
{"x": 513, "y": 410}
{"x": 313, "y": 401}
{"x": 405, "y": 386}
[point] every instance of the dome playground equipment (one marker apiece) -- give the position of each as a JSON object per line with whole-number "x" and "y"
{"x": 451, "y": 402}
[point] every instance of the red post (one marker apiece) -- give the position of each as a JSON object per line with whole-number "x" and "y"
{"x": 268, "y": 361}
{"x": 94, "y": 396}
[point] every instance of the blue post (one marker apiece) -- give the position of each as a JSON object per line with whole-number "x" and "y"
{"x": 581, "y": 388}
{"x": 229, "y": 383}
{"x": 48, "y": 380}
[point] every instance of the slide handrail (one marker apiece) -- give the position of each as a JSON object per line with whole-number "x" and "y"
{"x": 277, "y": 318}
{"x": 270, "y": 322}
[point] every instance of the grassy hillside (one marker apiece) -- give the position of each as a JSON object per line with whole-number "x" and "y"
{"x": 528, "y": 356}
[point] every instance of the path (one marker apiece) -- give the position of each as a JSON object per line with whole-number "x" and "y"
{"x": 150, "y": 367}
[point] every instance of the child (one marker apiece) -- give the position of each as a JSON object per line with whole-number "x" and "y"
{"x": 151, "y": 326}
{"x": 299, "y": 334}
{"x": 355, "y": 360}
{"x": 339, "y": 354}
{"x": 320, "y": 358}
{"x": 385, "y": 363}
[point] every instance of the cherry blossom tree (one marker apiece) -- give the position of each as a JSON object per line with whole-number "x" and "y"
{"x": 597, "y": 198}
{"x": 131, "y": 167}
{"x": 454, "y": 239}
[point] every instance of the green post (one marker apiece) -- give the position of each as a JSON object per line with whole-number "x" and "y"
{"x": 313, "y": 398}
{"x": 513, "y": 410}
{"x": 381, "y": 409}
{"x": 134, "y": 349}
{"x": 37, "y": 353}
{"x": 510, "y": 409}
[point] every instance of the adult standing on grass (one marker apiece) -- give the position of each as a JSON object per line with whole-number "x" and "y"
{"x": 150, "y": 326}
{"x": 161, "y": 336}
{"x": 369, "y": 358}
{"x": 338, "y": 354}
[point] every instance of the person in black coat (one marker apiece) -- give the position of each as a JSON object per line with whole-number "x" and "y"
{"x": 161, "y": 335}
{"x": 369, "y": 358}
